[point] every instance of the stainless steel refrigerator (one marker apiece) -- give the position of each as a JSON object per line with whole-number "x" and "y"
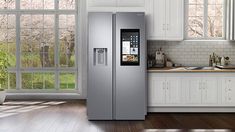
{"x": 117, "y": 66}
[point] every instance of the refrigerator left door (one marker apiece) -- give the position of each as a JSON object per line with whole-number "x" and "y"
{"x": 99, "y": 93}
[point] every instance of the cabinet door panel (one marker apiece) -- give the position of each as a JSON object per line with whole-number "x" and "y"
{"x": 192, "y": 86}
{"x": 173, "y": 92}
{"x": 156, "y": 19}
{"x": 151, "y": 95}
{"x": 210, "y": 90}
{"x": 228, "y": 90}
{"x": 156, "y": 93}
{"x": 130, "y": 3}
{"x": 102, "y": 3}
{"x": 159, "y": 86}
{"x": 174, "y": 19}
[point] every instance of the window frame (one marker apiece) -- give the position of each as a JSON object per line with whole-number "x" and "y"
{"x": 205, "y": 15}
{"x": 57, "y": 70}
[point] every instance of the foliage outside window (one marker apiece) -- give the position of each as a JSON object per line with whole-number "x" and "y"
{"x": 3, "y": 68}
{"x": 205, "y": 19}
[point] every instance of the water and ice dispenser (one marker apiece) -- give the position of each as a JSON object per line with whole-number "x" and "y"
{"x": 100, "y": 56}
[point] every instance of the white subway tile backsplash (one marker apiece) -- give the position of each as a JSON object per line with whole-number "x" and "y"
{"x": 193, "y": 53}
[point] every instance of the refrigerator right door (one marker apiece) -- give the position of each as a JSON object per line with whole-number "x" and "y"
{"x": 130, "y": 88}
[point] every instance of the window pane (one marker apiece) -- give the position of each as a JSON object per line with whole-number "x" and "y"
{"x": 27, "y": 80}
{"x": 8, "y": 37}
{"x": 67, "y": 40}
{"x": 49, "y": 4}
{"x": 37, "y": 38}
{"x": 25, "y": 4}
{"x": 37, "y": 4}
{"x": 196, "y": 1}
{"x": 7, "y": 4}
{"x": 192, "y": 1}
{"x": 195, "y": 27}
{"x": 214, "y": 25}
{"x": 219, "y": 1}
{"x": 211, "y": 1}
{"x": 211, "y": 10}
{"x": 215, "y": 18}
{"x": 67, "y": 4}
{"x": 38, "y": 81}
{"x": 215, "y": 1}
{"x": 67, "y": 81}
{"x": 9, "y": 81}
{"x": 12, "y": 80}
{"x": 49, "y": 80}
{"x": 215, "y": 28}
{"x": 196, "y": 10}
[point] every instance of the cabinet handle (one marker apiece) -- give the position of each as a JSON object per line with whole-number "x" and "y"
{"x": 163, "y": 85}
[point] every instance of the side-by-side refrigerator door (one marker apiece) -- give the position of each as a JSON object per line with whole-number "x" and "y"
{"x": 99, "y": 93}
{"x": 130, "y": 90}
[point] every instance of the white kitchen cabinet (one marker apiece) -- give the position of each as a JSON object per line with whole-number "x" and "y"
{"x": 201, "y": 90}
{"x": 192, "y": 86}
{"x": 164, "y": 19}
{"x": 228, "y": 90}
{"x": 210, "y": 90}
{"x": 116, "y": 5}
{"x": 163, "y": 90}
{"x": 156, "y": 91}
{"x": 173, "y": 90}
{"x": 155, "y": 17}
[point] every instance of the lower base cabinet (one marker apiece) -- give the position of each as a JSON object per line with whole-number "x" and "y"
{"x": 191, "y": 90}
{"x": 164, "y": 90}
{"x": 200, "y": 90}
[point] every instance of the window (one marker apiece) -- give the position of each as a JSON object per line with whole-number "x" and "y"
{"x": 40, "y": 38}
{"x": 205, "y": 19}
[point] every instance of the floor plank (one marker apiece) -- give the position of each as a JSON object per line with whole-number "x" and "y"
{"x": 70, "y": 116}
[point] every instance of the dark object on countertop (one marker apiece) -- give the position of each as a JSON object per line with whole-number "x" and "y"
{"x": 226, "y": 67}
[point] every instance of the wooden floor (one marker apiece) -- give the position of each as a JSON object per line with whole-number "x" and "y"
{"x": 70, "y": 116}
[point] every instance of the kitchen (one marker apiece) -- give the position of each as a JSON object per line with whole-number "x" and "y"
{"x": 190, "y": 53}
{"x": 141, "y": 65}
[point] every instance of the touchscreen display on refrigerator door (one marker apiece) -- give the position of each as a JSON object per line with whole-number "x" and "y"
{"x": 130, "y": 43}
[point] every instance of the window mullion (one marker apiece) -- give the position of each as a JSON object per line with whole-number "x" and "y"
{"x": 56, "y": 50}
{"x": 18, "y": 72}
{"x": 205, "y": 18}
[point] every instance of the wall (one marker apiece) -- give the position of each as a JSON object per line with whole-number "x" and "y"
{"x": 194, "y": 53}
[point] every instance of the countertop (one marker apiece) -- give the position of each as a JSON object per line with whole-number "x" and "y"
{"x": 183, "y": 69}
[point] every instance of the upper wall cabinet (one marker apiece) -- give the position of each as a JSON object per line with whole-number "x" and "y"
{"x": 165, "y": 19}
{"x": 116, "y": 5}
